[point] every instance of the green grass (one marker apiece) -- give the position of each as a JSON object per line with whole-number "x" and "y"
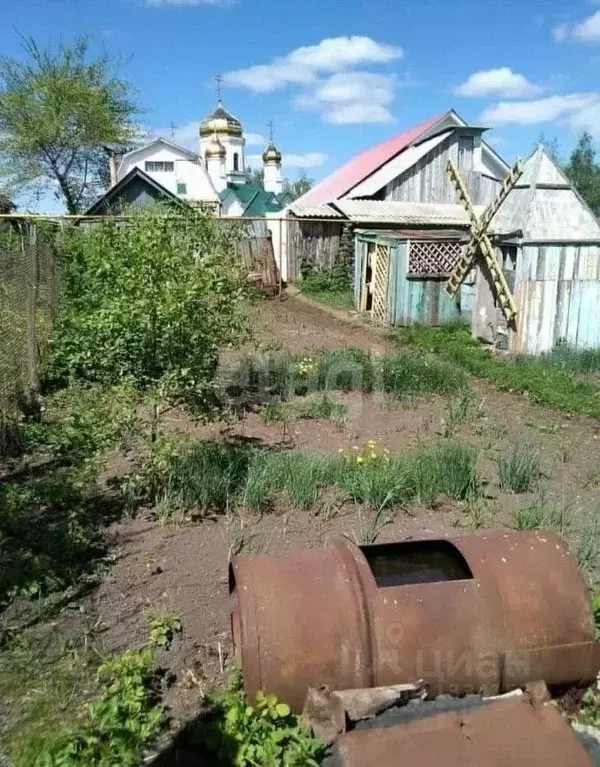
{"x": 321, "y": 408}
{"x": 519, "y": 469}
{"x": 555, "y": 385}
{"x": 577, "y": 360}
{"x": 330, "y": 286}
{"x": 342, "y": 299}
{"x": 214, "y": 477}
{"x": 347, "y": 369}
{"x": 544, "y": 515}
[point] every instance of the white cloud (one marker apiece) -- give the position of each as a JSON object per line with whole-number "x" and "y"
{"x": 254, "y": 139}
{"x": 586, "y": 31}
{"x": 307, "y": 160}
{"x": 560, "y": 33}
{"x": 538, "y": 111}
{"x": 347, "y": 98}
{"x": 587, "y": 119}
{"x": 501, "y": 82}
{"x": 186, "y": 3}
{"x": 303, "y": 65}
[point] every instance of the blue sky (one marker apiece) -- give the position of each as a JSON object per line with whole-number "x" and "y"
{"x": 337, "y": 76}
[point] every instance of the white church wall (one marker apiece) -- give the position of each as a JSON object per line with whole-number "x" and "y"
{"x": 231, "y": 207}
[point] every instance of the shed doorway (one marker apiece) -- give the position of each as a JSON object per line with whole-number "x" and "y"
{"x": 375, "y": 275}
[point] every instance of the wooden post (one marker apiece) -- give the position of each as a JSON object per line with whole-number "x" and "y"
{"x": 30, "y": 255}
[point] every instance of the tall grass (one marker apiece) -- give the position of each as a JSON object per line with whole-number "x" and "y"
{"x": 519, "y": 469}
{"x": 544, "y": 515}
{"x": 210, "y": 476}
{"x": 320, "y": 408}
{"x": 547, "y": 384}
{"x": 348, "y": 369}
{"x": 577, "y": 360}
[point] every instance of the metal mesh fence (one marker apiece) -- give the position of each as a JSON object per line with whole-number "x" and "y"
{"x": 28, "y": 296}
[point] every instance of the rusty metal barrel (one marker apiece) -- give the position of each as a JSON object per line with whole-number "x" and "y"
{"x": 485, "y": 612}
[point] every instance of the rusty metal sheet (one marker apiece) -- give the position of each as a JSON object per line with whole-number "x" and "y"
{"x": 508, "y": 733}
{"x": 486, "y": 612}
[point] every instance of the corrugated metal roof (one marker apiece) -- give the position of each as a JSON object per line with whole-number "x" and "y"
{"x": 396, "y": 167}
{"x": 313, "y": 211}
{"x": 363, "y": 165}
{"x": 395, "y": 212}
{"x": 545, "y": 207}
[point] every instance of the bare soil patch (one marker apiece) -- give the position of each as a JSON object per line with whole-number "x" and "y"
{"x": 184, "y": 568}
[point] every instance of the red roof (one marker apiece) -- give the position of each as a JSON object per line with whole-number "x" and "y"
{"x": 363, "y": 165}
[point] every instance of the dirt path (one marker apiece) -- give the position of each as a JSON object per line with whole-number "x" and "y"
{"x": 184, "y": 569}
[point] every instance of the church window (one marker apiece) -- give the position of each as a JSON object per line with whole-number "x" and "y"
{"x": 236, "y": 161}
{"x": 181, "y": 188}
{"x": 154, "y": 166}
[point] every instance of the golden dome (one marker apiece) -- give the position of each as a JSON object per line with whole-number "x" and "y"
{"x": 271, "y": 154}
{"x": 215, "y": 149}
{"x": 220, "y": 122}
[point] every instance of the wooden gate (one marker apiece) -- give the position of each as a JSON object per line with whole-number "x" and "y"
{"x": 379, "y": 311}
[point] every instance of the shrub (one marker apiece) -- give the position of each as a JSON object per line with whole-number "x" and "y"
{"x": 119, "y": 723}
{"x": 519, "y": 469}
{"x": 266, "y": 733}
{"x": 152, "y": 300}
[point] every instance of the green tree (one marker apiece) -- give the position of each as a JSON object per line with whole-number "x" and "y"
{"x": 255, "y": 176}
{"x": 584, "y": 172}
{"x": 61, "y": 113}
{"x": 298, "y": 187}
{"x": 152, "y": 300}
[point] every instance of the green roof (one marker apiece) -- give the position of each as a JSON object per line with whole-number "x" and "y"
{"x": 254, "y": 200}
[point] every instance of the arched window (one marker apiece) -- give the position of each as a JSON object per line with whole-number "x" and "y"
{"x": 236, "y": 161}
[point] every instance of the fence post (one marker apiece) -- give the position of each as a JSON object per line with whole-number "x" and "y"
{"x": 29, "y": 251}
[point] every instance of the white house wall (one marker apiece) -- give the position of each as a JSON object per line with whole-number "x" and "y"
{"x": 186, "y": 170}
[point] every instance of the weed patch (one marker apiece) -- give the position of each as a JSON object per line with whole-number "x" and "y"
{"x": 543, "y": 515}
{"x": 519, "y": 470}
{"x": 349, "y": 369}
{"x": 266, "y": 733}
{"x": 330, "y": 286}
{"x": 547, "y": 384}
{"x": 322, "y": 408}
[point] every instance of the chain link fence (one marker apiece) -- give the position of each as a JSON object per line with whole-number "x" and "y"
{"x": 28, "y": 297}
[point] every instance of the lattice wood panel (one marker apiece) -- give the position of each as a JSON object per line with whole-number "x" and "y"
{"x": 433, "y": 257}
{"x": 380, "y": 283}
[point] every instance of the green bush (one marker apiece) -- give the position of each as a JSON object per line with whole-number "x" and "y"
{"x": 330, "y": 285}
{"x": 233, "y": 733}
{"x": 153, "y": 301}
{"x": 119, "y": 723}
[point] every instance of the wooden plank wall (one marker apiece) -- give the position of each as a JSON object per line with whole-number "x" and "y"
{"x": 312, "y": 242}
{"x": 428, "y": 180}
{"x": 558, "y": 295}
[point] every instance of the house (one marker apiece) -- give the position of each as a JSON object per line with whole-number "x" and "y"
{"x": 135, "y": 190}
{"x": 394, "y": 215}
{"x": 174, "y": 168}
{"x": 401, "y": 187}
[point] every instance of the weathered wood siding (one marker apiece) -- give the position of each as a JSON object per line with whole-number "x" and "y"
{"x": 410, "y": 300}
{"x": 558, "y": 297}
{"x": 315, "y": 243}
{"x": 428, "y": 180}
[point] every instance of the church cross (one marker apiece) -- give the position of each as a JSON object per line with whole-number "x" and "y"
{"x": 270, "y": 125}
{"x": 218, "y": 81}
{"x": 173, "y": 129}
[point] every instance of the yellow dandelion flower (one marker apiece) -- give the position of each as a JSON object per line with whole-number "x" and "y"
{"x": 359, "y": 459}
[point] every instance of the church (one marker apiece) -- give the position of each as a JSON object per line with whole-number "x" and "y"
{"x": 213, "y": 179}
